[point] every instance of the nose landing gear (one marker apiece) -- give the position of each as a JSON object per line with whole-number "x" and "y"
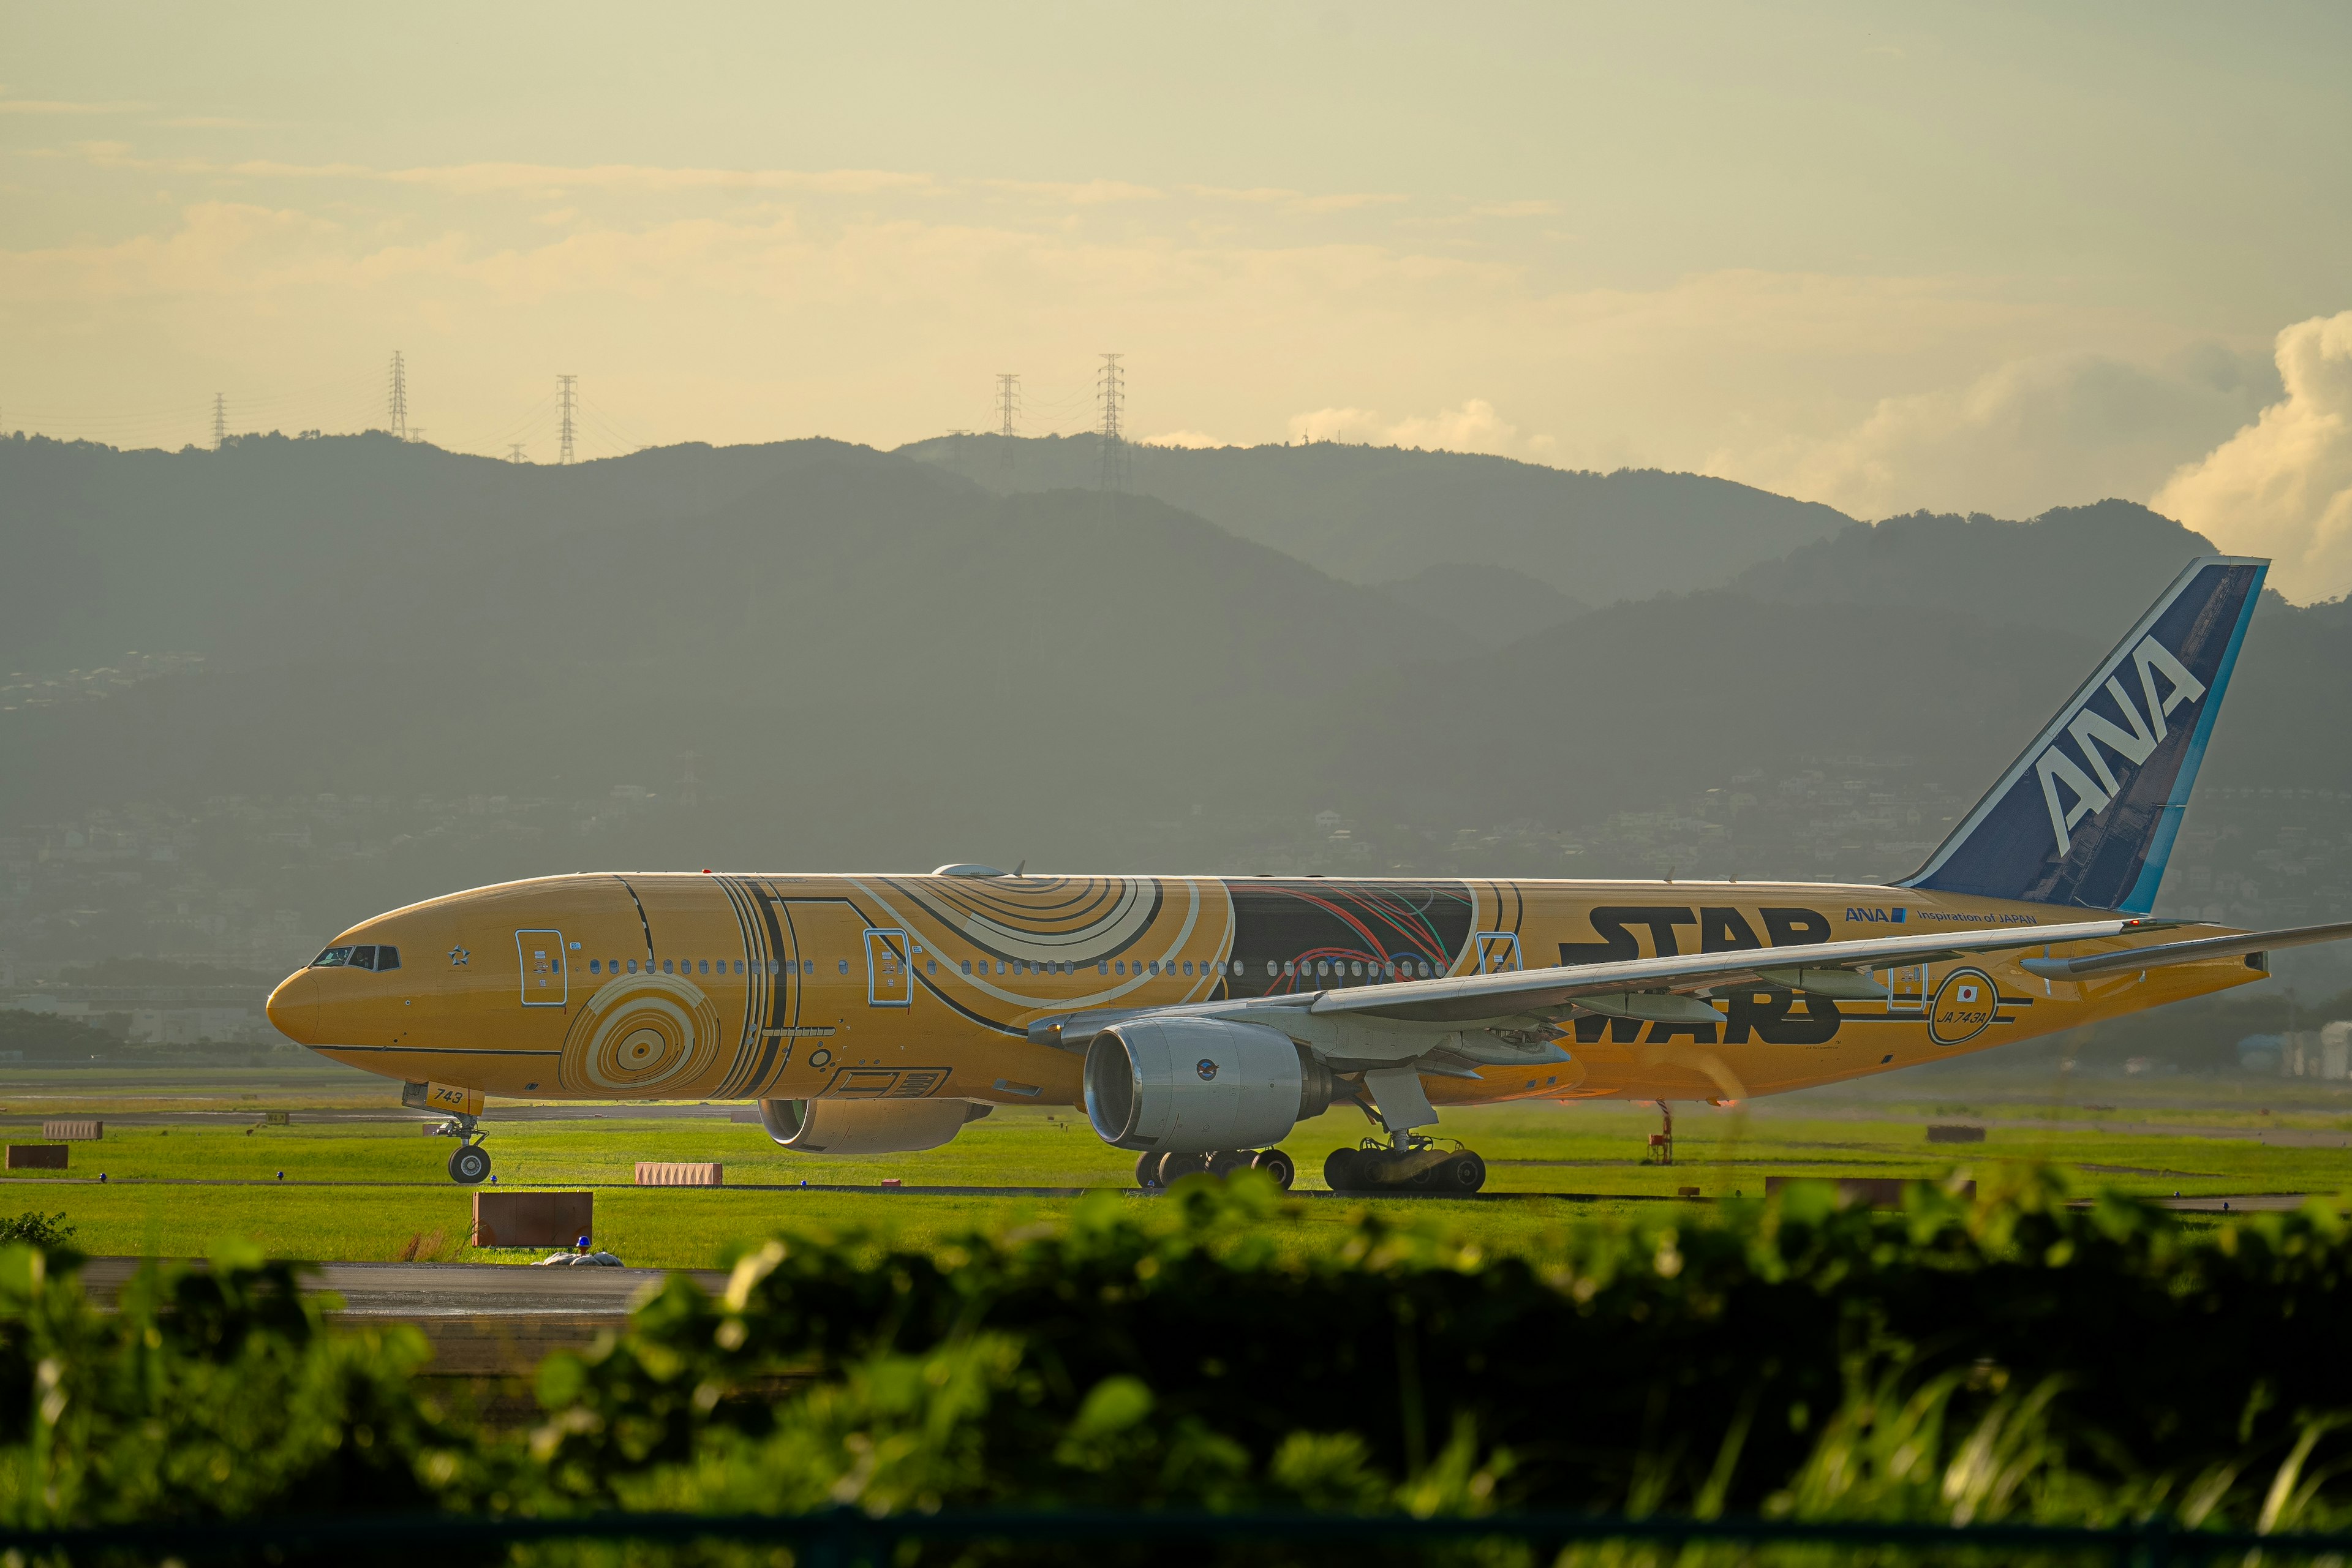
{"x": 469, "y": 1162}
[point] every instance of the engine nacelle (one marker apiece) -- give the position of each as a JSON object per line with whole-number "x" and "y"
{"x": 1194, "y": 1086}
{"x": 865, "y": 1126}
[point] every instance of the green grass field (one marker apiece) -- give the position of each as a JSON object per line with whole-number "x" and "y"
{"x": 387, "y": 1192}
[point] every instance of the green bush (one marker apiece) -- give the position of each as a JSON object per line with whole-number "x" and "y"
{"x": 1673, "y": 1364}
{"x": 209, "y": 1393}
{"x": 2009, "y": 1359}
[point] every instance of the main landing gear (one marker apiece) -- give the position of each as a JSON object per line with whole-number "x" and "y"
{"x": 1155, "y": 1170}
{"x": 469, "y": 1162}
{"x": 1410, "y": 1166}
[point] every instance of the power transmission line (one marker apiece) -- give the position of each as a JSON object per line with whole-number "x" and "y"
{"x": 1110, "y": 386}
{"x": 571, "y": 404}
{"x": 220, "y": 421}
{"x": 1008, "y": 405}
{"x": 399, "y": 398}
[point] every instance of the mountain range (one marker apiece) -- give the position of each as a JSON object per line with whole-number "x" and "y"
{"x": 823, "y": 656}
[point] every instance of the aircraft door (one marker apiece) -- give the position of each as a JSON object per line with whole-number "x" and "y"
{"x": 546, "y": 983}
{"x": 1498, "y": 952}
{"x": 889, "y": 969}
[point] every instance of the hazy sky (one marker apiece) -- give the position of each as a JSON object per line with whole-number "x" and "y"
{"x": 1965, "y": 258}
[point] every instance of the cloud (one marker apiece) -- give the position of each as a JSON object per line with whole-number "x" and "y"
{"x": 1076, "y": 194}
{"x": 1295, "y": 201}
{"x": 1473, "y": 427}
{"x": 2026, "y": 435}
{"x": 499, "y": 179}
{"x": 1532, "y": 208}
{"x": 1191, "y": 439}
{"x": 2282, "y": 487}
{"x": 1349, "y": 201}
{"x": 62, "y": 106}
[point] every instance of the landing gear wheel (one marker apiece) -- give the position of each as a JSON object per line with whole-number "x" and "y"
{"x": 1462, "y": 1175}
{"x": 469, "y": 1165}
{"x": 1147, "y": 1171}
{"x": 1342, "y": 1170}
{"x": 1174, "y": 1168}
{"x": 1277, "y": 1164}
{"x": 1225, "y": 1162}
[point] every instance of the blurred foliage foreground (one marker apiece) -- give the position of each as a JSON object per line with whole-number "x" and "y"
{"x": 2005, "y": 1359}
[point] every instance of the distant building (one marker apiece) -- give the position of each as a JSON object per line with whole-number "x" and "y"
{"x": 2322, "y": 1053}
{"x": 186, "y": 1025}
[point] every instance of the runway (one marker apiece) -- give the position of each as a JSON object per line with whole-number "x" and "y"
{"x": 489, "y": 1324}
{"x": 867, "y": 1188}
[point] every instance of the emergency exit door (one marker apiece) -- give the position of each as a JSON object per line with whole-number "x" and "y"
{"x": 889, "y": 969}
{"x": 545, "y": 983}
{"x": 1498, "y": 952}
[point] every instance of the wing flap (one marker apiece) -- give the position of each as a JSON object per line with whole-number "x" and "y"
{"x": 2165, "y": 954}
{"x": 1534, "y": 993}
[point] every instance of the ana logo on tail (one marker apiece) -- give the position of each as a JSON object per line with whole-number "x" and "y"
{"x": 2092, "y": 729}
{"x": 2087, "y": 815}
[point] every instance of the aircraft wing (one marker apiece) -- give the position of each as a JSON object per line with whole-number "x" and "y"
{"x": 1523, "y": 992}
{"x": 2163, "y": 953}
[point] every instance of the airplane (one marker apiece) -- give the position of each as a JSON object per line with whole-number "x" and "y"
{"x": 1200, "y": 1018}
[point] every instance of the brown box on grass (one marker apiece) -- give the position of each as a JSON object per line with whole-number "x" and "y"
{"x": 77, "y": 1128}
{"x": 1954, "y": 1132}
{"x": 681, "y": 1173}
{"x": 533, "y": 1220}
{"x": 1869, "y": 1191}
{"x": 37, "y": 1156}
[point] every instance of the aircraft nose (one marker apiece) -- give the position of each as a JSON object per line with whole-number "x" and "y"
{"x": 293, "y": 1007}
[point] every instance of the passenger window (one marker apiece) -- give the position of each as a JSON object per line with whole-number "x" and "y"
{"x": 1287, "y": 967}
{"x": 931, "y": 966}
{"x": 1120, "y": 967}
{"x": 967, "y": 966}
{"x": 667, "y": 966}
{"x": 739, "y": 966}
{"x": 1101, "y": 968}
{"x": 842, "y": 964}
{"x": 1188, "y": 966}
{"x": 592, "y": 967}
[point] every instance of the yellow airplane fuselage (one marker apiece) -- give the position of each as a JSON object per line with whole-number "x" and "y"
{"x": 726, "y": 987}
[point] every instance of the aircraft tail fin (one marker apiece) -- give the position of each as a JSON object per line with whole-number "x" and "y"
{"x": 2086, "y": 816}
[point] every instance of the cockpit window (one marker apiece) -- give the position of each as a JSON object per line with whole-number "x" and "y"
{"x": 360, "y": 957}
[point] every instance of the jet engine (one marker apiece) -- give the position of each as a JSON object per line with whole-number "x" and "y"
{"x": 1196, "y": 1086}
{"x": 865, "y": 1126}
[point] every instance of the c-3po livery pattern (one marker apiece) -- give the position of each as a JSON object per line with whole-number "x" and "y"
{"x": 1197, "y": 1015}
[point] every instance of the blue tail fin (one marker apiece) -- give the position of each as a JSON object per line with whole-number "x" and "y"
{"x": 2087, "y": 815}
